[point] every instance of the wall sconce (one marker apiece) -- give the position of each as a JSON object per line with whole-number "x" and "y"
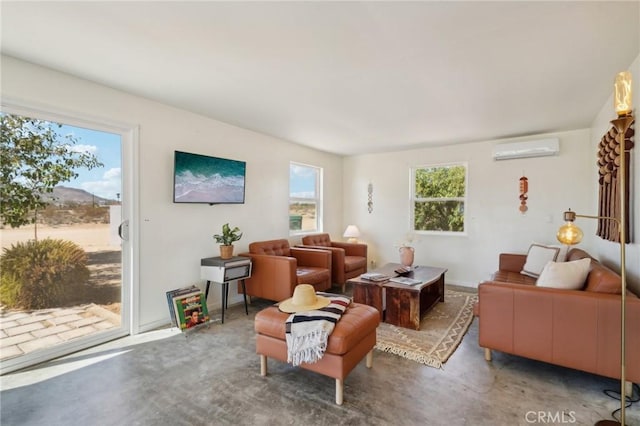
{"x": 370, "y": 197}
{"x": 352, "y": 233}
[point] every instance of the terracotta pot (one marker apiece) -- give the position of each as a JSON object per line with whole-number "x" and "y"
{"x": 226, "y": 252}
{"x": 406, "y": 256}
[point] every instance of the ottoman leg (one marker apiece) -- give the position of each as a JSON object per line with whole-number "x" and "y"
{"x": 263, "y": 365}
{"x": 339, "y": 391}
{"x": 369, "y": 359}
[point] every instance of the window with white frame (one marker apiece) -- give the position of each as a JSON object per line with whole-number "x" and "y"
{"x": 305, "y": 198}
{"x": 438, "y": 198}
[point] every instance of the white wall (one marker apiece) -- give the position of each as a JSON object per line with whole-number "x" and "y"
{"x": 608, "y": 252}
{"x": 494, "y": 223}
{"x": 174, "y": 237}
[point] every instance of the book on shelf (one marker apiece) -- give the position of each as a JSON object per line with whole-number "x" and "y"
{"x": 405, "y": 280}
{"x": 374, "y": 276}
{"x": 177, "y": 292}
{"x": 190, "y": 309}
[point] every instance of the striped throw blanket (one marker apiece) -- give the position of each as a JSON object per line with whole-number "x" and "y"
{"x": 307, "y": 333}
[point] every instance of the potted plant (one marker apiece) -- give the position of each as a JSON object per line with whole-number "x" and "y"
{"x": 226, "y": 240}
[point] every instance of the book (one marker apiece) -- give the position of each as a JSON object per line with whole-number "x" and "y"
{"x": 374, "y": 276}
{"x": 190, "y": 309}
{"x": 173, "y": 293}
{"x": 405, "y": 280}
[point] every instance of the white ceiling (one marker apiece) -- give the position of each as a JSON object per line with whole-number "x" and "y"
{"x": 346, "y": 77}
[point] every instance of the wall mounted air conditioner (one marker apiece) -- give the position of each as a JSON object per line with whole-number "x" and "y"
{"x": 534, "y": 148}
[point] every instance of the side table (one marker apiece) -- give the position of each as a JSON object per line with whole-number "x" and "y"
{"x": 222, "y": 271}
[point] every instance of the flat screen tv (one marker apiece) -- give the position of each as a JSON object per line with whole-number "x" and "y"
{"x": 205, "y": 179}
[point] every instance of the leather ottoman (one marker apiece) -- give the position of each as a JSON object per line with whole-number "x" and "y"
{"x": 353, "y": 338}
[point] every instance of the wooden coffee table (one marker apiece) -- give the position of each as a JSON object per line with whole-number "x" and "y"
{"x": 405, "y": 304}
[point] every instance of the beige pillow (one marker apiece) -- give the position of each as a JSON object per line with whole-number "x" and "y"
{"x": 537, "y": 258}
{"x": 565, "y": 275}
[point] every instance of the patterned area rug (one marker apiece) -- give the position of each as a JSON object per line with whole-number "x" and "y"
{"x": 441, "y": 331}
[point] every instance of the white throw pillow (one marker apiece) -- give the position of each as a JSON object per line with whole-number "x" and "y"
{"x": 562, "y": 254}
{"x": 537, "y": 258}
{"x": 565, "y": 275}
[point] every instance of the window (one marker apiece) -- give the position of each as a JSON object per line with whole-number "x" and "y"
{"x": 438, "y": 198}
{"x": 305, "y": 198}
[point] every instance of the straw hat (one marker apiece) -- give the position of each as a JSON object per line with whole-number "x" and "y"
{"x": 304, "y": 299}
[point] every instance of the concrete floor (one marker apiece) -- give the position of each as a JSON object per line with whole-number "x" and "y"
{"x": 211, "y": 376}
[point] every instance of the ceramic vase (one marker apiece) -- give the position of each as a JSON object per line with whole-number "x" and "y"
{"x": 406, "y": 256}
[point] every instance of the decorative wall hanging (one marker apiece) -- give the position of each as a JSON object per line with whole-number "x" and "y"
{"x": 524, "y": 188}
{"x": 370, "y": 197}
{"x": 609, "y": 183}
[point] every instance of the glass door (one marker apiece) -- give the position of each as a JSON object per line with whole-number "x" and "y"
{"x": 63, "y": 257}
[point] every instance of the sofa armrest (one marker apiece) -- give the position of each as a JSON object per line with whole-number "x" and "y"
{"x": 512, "y": 262}
{"x": 312, "y": 257}
{"x": 351, "y": 249}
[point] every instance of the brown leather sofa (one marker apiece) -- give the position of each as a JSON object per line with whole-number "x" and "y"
{"x": 277, "y": 269}
{"x": 348, "y": 260}
{"x": 353, "y": 338}
{"x": 578, "y": 329}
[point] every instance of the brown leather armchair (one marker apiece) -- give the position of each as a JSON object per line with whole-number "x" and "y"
{"x": 348, "y": 260}
{"x": 277, "y": 269}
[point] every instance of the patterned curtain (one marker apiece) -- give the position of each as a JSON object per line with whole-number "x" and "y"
{"x": 609, "y": 184}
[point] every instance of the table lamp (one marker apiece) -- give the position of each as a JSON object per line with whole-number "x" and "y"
{"x": 352, "y": 233}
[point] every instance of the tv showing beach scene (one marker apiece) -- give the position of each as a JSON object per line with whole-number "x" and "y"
{"x": 206, "y": 179}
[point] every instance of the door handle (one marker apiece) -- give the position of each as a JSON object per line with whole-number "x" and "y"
{"x": 123, "y": 230}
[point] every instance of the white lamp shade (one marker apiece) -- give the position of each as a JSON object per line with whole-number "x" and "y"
{"x": 352, "y": 231}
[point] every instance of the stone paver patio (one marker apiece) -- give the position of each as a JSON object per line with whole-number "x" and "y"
{"x": 23, "y": 332}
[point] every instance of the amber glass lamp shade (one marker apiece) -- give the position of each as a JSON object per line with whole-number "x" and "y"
{"x": 569, "y": 234}
{"x": 622, "y": 94}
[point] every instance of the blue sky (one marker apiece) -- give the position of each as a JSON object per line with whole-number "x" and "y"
{"x": 104, "y": 181}
{"x": 302, "y": 181}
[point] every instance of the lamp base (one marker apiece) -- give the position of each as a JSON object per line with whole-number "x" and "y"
{"x": 352, "y": 240}
{"x": 607, "y": 423}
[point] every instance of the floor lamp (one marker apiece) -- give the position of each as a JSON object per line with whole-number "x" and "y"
{"x": 570, "y": 234}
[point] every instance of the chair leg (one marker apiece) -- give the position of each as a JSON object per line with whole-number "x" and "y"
{"x": 263, "y": 365}
{"x": 339, "y": 391}
{"x": 369, "y": 359}
{"x": 487, "y": 354}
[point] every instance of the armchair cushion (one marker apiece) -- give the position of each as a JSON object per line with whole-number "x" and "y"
{"x": 352, "y": 263}
{"x": 312, "y": 275}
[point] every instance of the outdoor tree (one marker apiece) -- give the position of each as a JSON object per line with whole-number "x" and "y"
{"x": 439, "y": 202}
{"x": 34, "y": 158}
